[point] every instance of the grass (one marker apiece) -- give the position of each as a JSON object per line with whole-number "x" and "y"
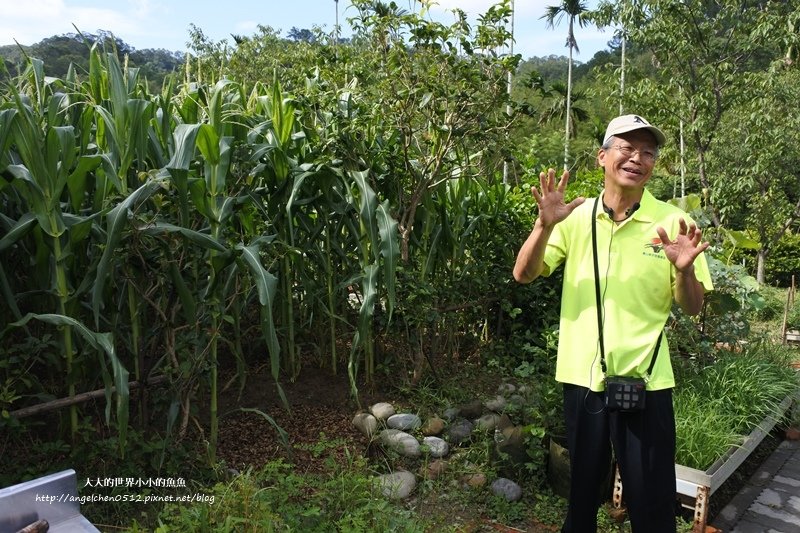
{"x": 717, "y": 408}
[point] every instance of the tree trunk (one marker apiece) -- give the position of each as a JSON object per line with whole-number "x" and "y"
{"x": 760, "y": 266}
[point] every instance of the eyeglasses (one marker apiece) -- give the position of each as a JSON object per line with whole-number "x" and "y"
{"x": 628, "y": 151}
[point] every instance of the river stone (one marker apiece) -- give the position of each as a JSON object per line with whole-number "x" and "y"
{"x": 404, "y": 421}
{"x": 504, "y": 389}
{"x": 517, "y": 400}
{"x": 436, "y": 446}
{"x": 400, "y": 442}
{"x": 475, "y": 481}
{"x": 451, "y": 413}
{"x": 471, "y": 410}
{"x": 366, "y": 424}
{"x": 507, "y": 489}
{"x": 433, "y": 470}
{"x": 397, "y": 485}
{"x": 382, "y": 410}
{"x": 459, "y": 431}
{"x": 510, "y": 442}
{"x": 496, "y": 404}
{"x": 433, "y": 426}
{"x": 487, "y": 422}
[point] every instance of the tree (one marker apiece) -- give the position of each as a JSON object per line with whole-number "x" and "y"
{"x": 758, "y": 168}
{"x": 575, "y": 10}
{"x": 702, "y": 52}
{"x": 304, "y": 35}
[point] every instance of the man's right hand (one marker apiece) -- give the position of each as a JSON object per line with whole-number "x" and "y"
{"x": 550, "y": 200}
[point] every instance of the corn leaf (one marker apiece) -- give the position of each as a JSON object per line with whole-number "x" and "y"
{"x": 390, "y": 251}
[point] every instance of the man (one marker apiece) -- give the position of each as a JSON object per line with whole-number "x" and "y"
{"x": 648, "y": 253}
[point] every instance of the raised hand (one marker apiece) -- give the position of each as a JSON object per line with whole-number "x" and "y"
{"x": 550, "y": 198}
{"x": 687, "y": 245}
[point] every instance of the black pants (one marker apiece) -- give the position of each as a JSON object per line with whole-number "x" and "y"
{"x": 644, "y": 447}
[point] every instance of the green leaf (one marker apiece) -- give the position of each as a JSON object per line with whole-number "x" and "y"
{"x": 390, "y": 251}
{"x": 19, "y": 230}
{"x": 267, "y": 286}
{"x": 203, "y": 240}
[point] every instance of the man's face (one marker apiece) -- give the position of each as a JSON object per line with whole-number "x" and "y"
{"x": 630, "y": 159}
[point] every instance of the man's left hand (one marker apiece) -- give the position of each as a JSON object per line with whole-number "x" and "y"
{"x": 687, "y": 245}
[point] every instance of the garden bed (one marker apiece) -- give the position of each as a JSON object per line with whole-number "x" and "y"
{"x": 695, "y": 487}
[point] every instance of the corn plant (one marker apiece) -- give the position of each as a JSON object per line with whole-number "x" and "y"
{"x": 42, "y": 126}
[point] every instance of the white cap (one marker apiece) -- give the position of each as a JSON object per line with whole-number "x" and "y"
{"x": 627, "y": 123}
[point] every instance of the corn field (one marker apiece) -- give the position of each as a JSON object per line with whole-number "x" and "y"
{"x": 298, "y": 208}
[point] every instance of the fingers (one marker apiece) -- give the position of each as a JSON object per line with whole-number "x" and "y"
{"x": 662, "y": 234}
{"x": 536, "y": 196}
{"x": 575, "y": 203}
{"x": 562, "y": 183}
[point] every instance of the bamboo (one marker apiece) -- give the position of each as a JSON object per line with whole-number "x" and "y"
{"x": 82, "y": 397}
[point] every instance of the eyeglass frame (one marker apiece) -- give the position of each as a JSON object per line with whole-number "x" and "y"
{"x": 628, "y": 151}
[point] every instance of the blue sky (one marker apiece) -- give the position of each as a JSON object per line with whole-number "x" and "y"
{"x": 165, "y": 23}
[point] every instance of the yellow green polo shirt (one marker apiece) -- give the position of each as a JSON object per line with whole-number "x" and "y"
{"x": 637, "y": 282}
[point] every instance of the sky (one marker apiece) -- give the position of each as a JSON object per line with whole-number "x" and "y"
{"x": 165, "y": 23}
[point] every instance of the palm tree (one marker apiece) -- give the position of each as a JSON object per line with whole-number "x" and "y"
{"x": 336, "y": 28}
{"x": 561, "y": 106}
{"x": 575, "y": 10}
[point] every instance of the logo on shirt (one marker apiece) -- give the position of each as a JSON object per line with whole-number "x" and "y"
{"x": 655, "y": 246}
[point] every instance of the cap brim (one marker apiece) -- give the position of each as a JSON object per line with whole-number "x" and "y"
{"x": 661, "y": 139}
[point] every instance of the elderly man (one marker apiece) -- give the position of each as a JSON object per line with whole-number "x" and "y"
{"x": 626, "y": 257}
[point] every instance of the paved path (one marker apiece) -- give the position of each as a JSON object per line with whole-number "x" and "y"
{"x": 770, "y": 501}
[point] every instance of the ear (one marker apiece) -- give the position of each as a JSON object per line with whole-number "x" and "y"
{"x": 601, "y": 156}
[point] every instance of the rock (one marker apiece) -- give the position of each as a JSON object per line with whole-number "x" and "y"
{"x": 434, "y": 469}
{"x": 433, "y": 426}
{"x": 397, "y": 485}
{"x": 471, "y": 410}
{"x": 400, "y": 442}
{"x": 366, "y": 424}
{"x": 382, "y": 410}
{"x": 404, "y": 421}
{"x": 525, "y": 390}
{"x": 436, "y": 446}
{"x": 487, "y": 422}
{"x": 459, "y": 431}
{"x": 504, "y": 389}
{"x": 496, "y": 404}
{"x": 507, "y": 489}
{"x": 504, "y": 422}
{"x": 451, "y": 413}
{"x": 517, "y": 400}
{"x": 475, "y": 481}
{"x": 510, "y": 444}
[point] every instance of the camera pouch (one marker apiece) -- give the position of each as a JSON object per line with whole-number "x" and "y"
{"x": 625, "y": 394}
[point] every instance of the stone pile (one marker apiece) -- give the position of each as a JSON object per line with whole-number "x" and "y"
{"x": 457, "y": 427}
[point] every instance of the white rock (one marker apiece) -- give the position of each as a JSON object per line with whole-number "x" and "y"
{"x": 397, "y": 485}
{"x": 366, "y": 424}
{"x": 382, "y": 410}
{"x": 436, "y": 447}
{"x": 400, "y": 442}
{"x": 404, "y": 421}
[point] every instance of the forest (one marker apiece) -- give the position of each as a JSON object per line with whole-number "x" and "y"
{"x": 209, "y": 263}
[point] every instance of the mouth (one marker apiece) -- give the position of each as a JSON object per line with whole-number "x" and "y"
{"x": 632, "y": 170}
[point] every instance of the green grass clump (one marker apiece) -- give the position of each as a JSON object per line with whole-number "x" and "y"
{"x": 278, "y": 498}
{"x": 717, "y": 407}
